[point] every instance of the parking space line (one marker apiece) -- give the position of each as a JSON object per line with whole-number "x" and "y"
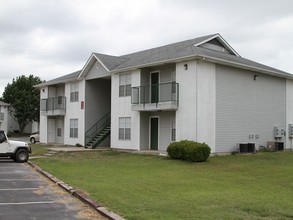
{"x": 15, "y": 172}
{"x": 27, "y": 203}
{"x": 18, "y": 189}
{"x": 19, "y": 179}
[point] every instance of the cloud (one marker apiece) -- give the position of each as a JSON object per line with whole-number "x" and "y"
{"x": 52, "y": 38}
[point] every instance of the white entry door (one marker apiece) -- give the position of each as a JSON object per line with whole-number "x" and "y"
{"x": 60, "y": 130}
{"x": 51, "y": 130}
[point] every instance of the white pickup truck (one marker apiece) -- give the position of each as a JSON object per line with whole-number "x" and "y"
{"x": 17, "y": 150}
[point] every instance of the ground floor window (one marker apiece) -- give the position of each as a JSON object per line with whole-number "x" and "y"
{"x": 73, "y": 128}
{"x": 124, "y": 128}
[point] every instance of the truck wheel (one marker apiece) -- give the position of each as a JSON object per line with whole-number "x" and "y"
{"x": 21, "y": 156}
{"x": 33, "y": 140}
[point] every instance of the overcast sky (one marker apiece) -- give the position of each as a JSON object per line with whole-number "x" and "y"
{"x": 52, "y": 38}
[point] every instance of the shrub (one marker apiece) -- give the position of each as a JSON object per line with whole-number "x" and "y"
{"x": 78, "y": 145}
{"x": 189, "y": 150}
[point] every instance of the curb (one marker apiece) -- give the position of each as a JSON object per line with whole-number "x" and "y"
{"x": 78, "y": 194}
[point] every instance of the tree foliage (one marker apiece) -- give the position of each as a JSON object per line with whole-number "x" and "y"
{"x": 24, "y": 99}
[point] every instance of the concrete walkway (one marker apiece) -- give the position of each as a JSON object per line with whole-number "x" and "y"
{"x": 76, "y": 149}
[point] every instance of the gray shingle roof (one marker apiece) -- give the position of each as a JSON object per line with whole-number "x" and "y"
{"x": 61, "y": 79}
{"x": 180, "y": 50}
{"x": 150, "y": 56}
{"x": 171, "y": 53}
{"x": 110, "y": 61}
{"x": 4, "y": 104}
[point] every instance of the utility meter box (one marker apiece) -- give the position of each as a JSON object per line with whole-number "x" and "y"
{"x": 279, "y": 132}
{"x": 290, "y": 131}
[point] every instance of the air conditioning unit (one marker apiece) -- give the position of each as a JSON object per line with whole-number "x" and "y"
{"x": 246, "y": 147}
{"x": 275, "y": 146}
{"x": 279, "y": 146}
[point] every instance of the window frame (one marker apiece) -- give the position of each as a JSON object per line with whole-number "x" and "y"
{"x": 125, "y": 85}
{"x": 73, "y": 128}
{"x": 74, "y": 92}
{"x": 124, "y": 128}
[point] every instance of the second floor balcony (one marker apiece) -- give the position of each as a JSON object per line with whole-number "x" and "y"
{"x": 53, "y": 106}
{"x": 164, "y": 96}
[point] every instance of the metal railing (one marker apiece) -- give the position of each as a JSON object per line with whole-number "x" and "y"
{"x": 97, "y": 128}
{"x": 157, "y": 93}
{"x": 55, "y": 103}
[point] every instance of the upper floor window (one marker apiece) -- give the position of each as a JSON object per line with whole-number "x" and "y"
{"x": 74, "y": 88}
{"x": 125, "y": 85}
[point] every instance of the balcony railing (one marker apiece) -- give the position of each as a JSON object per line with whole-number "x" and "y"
{"x": 162, "y": 96}
{"x": 54, "y": 106}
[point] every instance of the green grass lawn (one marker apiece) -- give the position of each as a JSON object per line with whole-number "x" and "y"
{"x": 38, "y": 150}
{"x": 258, "y": 186}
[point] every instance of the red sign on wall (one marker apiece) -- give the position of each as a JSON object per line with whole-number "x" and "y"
{"x": 82, "y": 105}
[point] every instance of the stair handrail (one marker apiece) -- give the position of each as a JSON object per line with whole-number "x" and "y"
{"x": 97, "y": 127}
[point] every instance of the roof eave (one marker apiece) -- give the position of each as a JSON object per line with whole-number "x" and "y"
{"x": 56, "y": 83}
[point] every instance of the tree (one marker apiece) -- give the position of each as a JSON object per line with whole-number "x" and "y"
{"x": 24, "y": 100}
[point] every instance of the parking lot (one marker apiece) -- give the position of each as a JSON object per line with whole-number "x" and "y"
{"x": 26, "y": 194}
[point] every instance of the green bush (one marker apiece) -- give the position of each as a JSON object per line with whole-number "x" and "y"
{"x": 189, "y": 150}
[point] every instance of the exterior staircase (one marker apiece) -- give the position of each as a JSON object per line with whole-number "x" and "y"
{"x": 98, "y": 132}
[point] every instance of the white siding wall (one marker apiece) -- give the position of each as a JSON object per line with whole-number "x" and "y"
{"x": 73, "y": 110}
{"x": 195, "y": 117}
{"x": 43, "y": 118}
{"x": 144, "y": 131}
{"x": 4, "y": 123}
{"x": 206, "y": 104}
{"x": 289, "y": 111}
{"x": 121, "y": 107}
{"x": 186, "y": 113}
{"x": 246, "y": 107}
{"x": 12, "y": 124}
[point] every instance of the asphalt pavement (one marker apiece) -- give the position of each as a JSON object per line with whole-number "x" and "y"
{"x": 26, "y": 195}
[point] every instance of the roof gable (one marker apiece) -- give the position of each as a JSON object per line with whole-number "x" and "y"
{"x": 218, "y": 43}
{"x": 107, "y": 61}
